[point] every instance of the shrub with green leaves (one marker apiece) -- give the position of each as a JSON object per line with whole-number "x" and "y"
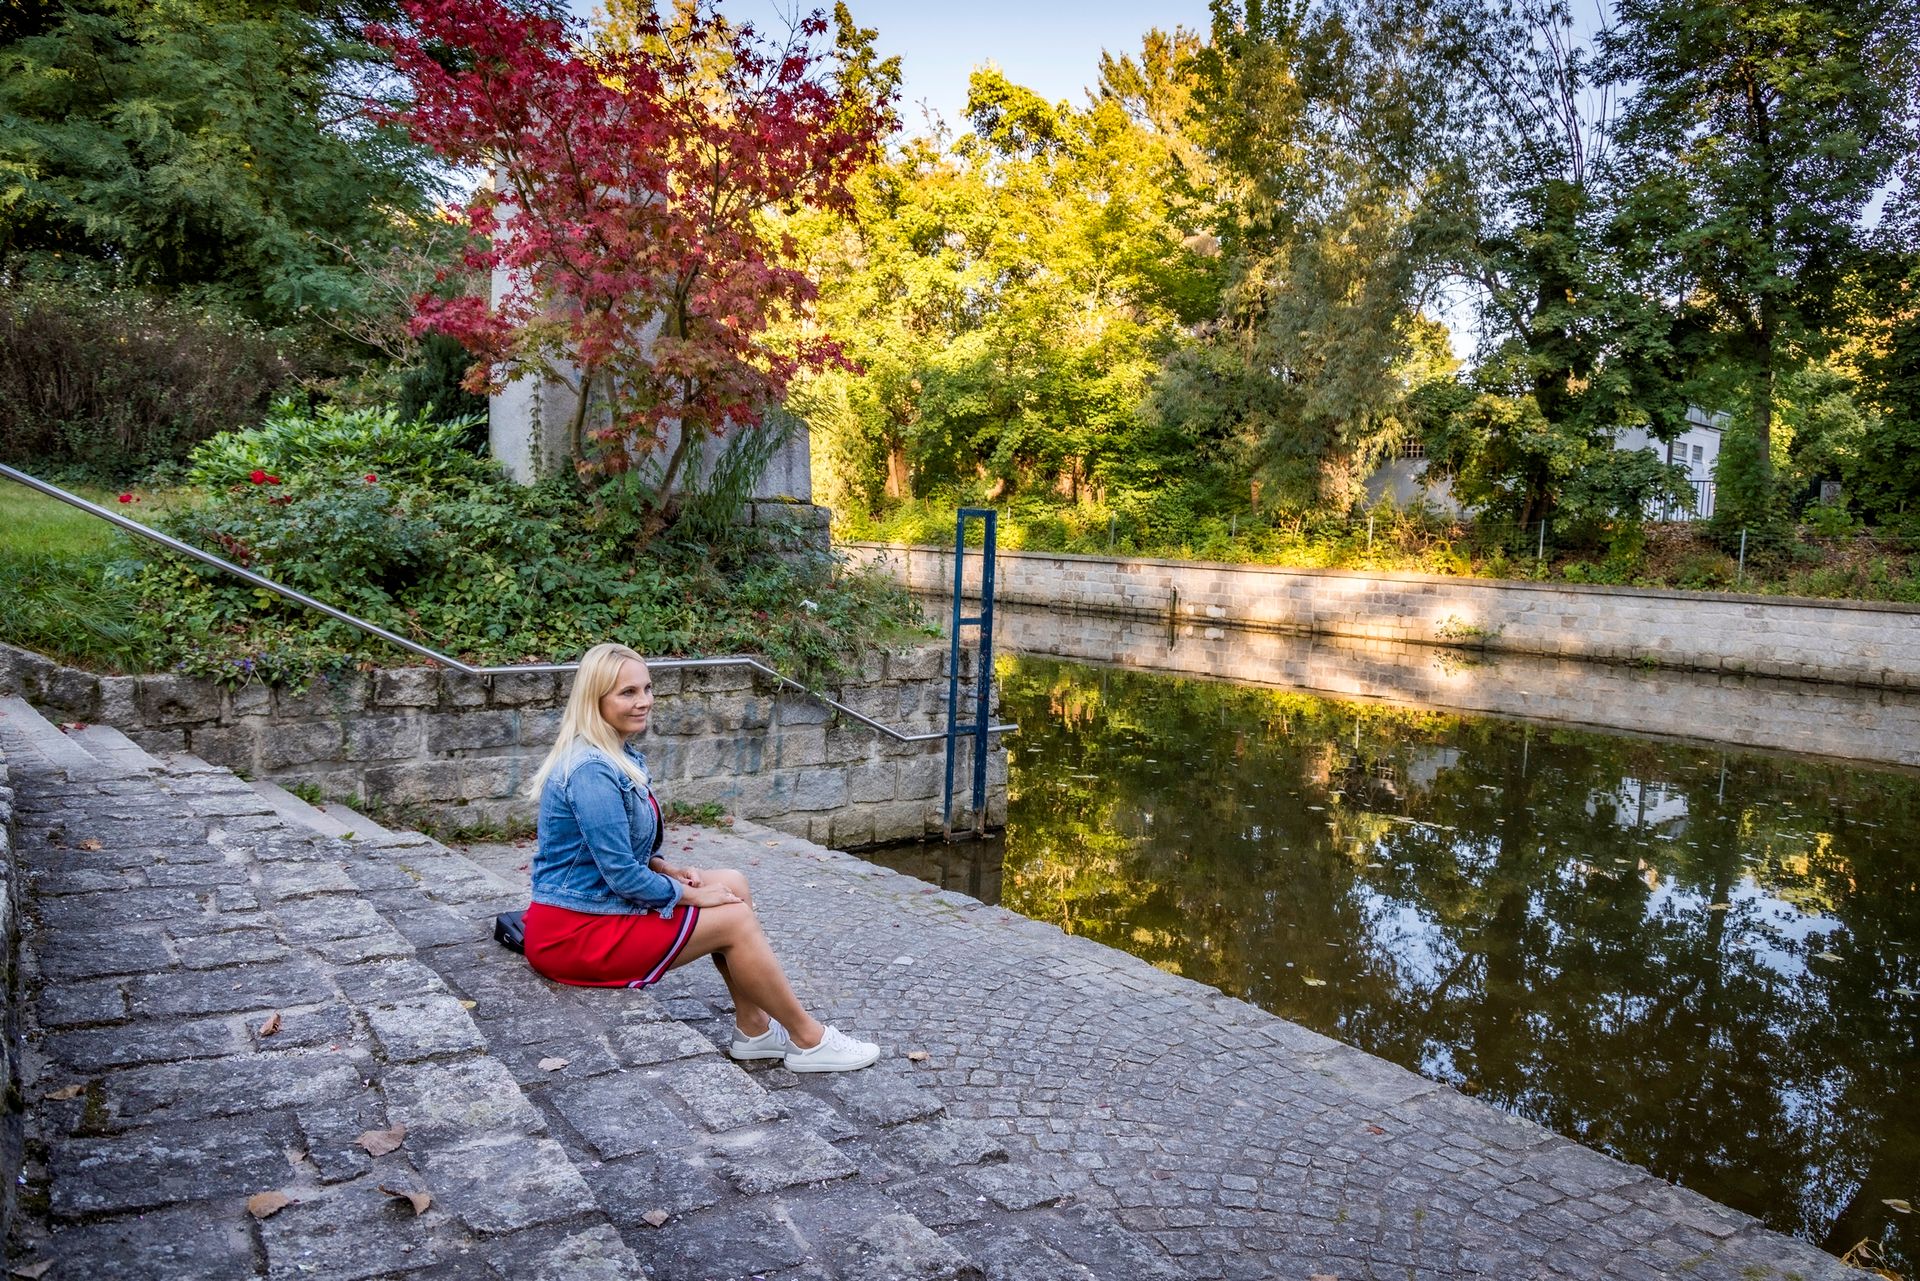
{"x": 343, "y": 440}
{"x": 485, "y": 570}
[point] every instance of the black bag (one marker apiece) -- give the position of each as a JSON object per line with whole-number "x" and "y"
{"x": 510, "y": 931}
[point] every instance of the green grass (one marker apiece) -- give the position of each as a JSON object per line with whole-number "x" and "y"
{"x": 31, "y": 524}
{"x": 63, "y": 591}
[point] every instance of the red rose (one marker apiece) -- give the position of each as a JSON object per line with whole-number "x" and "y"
{"x": 273, "y": 480}
{"x": 372, "y": 479}
{"x": 126, "y": 498}
{"x": 257, "y": 477}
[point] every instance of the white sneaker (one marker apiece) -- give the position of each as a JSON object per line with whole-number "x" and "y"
{"x": 837, "y": 1052}
{"x": 770, "y": 1044}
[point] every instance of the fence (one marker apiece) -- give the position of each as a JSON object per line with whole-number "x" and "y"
{"x": 1702, "y": 509}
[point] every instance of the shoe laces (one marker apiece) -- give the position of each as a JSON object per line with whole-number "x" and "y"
{"x": 831, "y": 1040}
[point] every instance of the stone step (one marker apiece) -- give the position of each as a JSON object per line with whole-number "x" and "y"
{"x": 112, "y": 748}
{"x": 359, "y": 826}
{"x": 27, "y": 736}
{"x": 297, "y": 811}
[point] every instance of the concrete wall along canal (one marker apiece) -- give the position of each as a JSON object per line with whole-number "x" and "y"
{"x": 1816, "y": 718}
{"x": 458, "y": 749}
{"x": 1850, "y": 642}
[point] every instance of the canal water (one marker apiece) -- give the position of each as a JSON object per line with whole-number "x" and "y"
{"x": 1700, "y": 958}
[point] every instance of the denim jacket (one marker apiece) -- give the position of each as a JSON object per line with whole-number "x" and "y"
{"x": 597, "y": 832}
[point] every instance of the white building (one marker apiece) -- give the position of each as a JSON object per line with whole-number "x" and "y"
{"x": 1697, "y": 449}
{"x": 1404, "y": 478}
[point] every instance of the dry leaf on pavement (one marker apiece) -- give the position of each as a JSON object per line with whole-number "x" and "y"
{"x": 90, "y": 844}
{"x": 1898, "y": 1205}
{"x": 656, "y": 1217}
{"x": 552, "y": 1065}
{"x": 272, "y": 1024}
{"x": 381, "y": 1142}
{"x": 65, "y": 1092}
{"x": 917, "y": 1056}
{"x": 420, "y": 1200}
{"x": 262, "y": 1205}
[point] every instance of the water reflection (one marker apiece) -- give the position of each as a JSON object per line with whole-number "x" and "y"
{"x": 1701, "y": 961}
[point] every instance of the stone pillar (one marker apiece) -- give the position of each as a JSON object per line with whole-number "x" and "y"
{"x": 527, "y": 430}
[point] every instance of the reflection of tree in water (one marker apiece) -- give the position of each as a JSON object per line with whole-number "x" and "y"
{"x": 1627, "y": 941}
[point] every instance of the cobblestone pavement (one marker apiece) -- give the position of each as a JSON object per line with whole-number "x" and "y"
{"x": 1229, "y": 1141}
{"x": 224, "y": 1003}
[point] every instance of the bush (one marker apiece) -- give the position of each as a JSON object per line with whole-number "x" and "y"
{"x": 474, "y": 566}
{"x": 343, "y": 441}
{"x": 112, "y": 382}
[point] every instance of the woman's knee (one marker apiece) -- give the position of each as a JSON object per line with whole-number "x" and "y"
{"x": 729, "y": 924}
{"x": 733, "y": 879}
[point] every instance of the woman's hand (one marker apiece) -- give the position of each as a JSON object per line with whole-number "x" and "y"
{"x": 688, "y": 876}
{"x": 709, "y": 896}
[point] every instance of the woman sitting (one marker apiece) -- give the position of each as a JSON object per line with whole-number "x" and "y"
{"x": 609, "y": 912}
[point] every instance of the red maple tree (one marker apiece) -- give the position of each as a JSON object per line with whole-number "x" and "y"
{"x": 637, "y": 184}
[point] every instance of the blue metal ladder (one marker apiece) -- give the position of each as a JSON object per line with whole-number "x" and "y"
{"x": 983, "y": 674}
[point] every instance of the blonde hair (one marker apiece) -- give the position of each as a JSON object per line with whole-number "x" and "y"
{"x": 582, "y": 722}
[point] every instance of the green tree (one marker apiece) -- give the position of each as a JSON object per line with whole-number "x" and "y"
{"x": 1574, "y": 349}
{"x": 1756, "y": 136}
{"x": 1882, "y": 355}
{"x": 1007, "y": 297}
{"x": 1330, "y": 136}
{"x": 213, "y": 147}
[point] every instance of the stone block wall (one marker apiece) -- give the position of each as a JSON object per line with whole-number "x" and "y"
{"x": 1850, "y": 642}
{"x": 459, "y": 749}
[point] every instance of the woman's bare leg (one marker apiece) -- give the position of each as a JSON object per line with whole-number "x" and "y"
{"x": 749, "y": 1017}
{"x": 753, "y": 972}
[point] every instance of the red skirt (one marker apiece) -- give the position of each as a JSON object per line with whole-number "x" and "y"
{"x": 590, "y": 949}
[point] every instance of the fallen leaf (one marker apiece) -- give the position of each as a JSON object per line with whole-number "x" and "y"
{"x": 773, "y": 842}
{"x": 917, "y": 1056}
{"x": 264, "y": 1205}
{"x": 1314, "y": 982}
{"x": 1898, "y": 1205}
{"x": 90, "y": 844}
{"x": 1374, "y": 1129}
{"x": 381, "y": 1142}
{"x": 552, "y": 1065}
{"x": 420, "y": 1200}
{"x": 272, "y": 1024}
{"x": 1826, "y": 956}
{"x": 656, "y": 1217}
{"x": 1719, "y": 907}
{"x": 468, "y": 1005}
{"x": 32, "y": 1271}
{"x": 65, "y": 1092}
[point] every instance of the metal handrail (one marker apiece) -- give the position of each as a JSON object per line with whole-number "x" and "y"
{"x": 374, "y": 629}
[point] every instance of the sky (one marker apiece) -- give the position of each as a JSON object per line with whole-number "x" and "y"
{"x": 1050, "y": 46}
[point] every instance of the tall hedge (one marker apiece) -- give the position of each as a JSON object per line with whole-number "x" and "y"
{"x": 115, "y": 382}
